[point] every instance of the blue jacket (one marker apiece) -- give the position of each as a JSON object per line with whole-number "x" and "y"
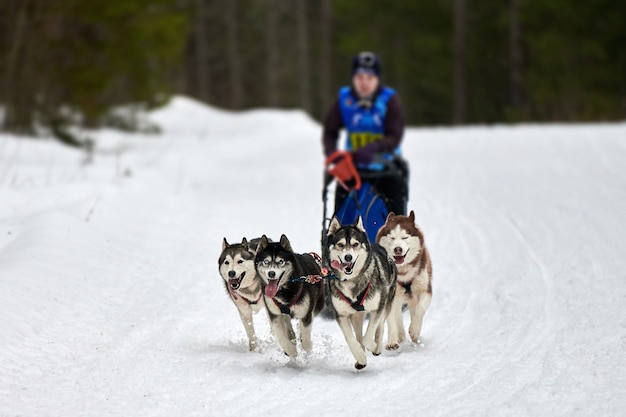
{"x": 365, "y": 125}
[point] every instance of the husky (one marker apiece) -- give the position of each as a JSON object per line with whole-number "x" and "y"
{"x": 366, "y": 283}
{"x": 292, "y": 288}
{"x": 236, "y": 266}
{"x": 403, "y": 240}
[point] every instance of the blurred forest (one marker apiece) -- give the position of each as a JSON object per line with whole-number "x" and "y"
{"x": 452, "y": 61}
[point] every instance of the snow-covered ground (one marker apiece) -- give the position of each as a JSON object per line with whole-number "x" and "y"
{"x": 111, "y": 302}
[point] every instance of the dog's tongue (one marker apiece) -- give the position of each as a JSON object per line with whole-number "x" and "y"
{"x": 271, "y": 288}
{"x": 335, "y": 264}
{"x": 232, "y": 293}
{"x": 399, "y": 259}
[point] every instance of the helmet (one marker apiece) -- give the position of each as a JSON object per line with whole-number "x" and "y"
{"x": 366, "y": 62}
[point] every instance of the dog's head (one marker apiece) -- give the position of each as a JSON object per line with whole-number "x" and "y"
{"x": 347, "y": 249}
{"x": 236, "y": 262}
{"x": 274, "y": 263}
{"x": 401, "y": 238}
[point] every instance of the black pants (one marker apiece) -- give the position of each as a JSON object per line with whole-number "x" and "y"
{"x": 392, "y": 185}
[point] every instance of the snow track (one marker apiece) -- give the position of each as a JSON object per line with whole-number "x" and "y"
{"x": 111, "y": 303}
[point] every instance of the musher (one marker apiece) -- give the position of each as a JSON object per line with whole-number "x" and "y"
{"x": 373, "y": 116}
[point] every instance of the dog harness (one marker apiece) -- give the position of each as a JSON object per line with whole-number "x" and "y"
{"x": 286, "y": 308}
{"x": 314, "y": 279}
{"x": 309, "y": 279}
{"x": 407, "y": 286}
{"x": 250, "y": 302}
{"x": 360, "y": 300}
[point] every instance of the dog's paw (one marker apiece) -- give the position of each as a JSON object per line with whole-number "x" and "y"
{"x": 414, "y": 333}
{"x": 307, "y": 346}
{"x": 393, "y": 346}
{"x": 361, "y": 358}
{"x": 291, "y": 351}
{"x": 369, "y": 344}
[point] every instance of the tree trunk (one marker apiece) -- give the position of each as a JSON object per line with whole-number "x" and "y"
{"x": 460, "y": 81}
{"x": 234, "y": 57}
{"x": 272, "y": 65}
{"x": 201, "y": 58}
{"x": 325, "y": 56}
{"x": 16, "y": 117}
{"x": 516, "y": 57}
{"x": 303, "y": 56}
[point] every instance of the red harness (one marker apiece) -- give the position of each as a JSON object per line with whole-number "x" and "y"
{"x": 286, "y": 308}
{"x": 250, "y": 301}
{"x": 358, "y": 304}
{"x": 236, "y": 296}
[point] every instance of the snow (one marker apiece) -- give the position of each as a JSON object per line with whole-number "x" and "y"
{"x": 111, "y": 302}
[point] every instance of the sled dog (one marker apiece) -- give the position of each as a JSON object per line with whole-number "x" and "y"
{"x": 286, "y": 295}
{"x": 236, "y": 266}
{"x": 366, "y": 283}
{"x": 404, "y": 241}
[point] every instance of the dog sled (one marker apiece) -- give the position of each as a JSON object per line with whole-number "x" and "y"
{"x": 358, "y": 194}
{"x": 358, "y": 198}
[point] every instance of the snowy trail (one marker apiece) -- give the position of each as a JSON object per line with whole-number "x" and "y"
{"x": 533, "y": 262}
{"x": 111, "y": 304}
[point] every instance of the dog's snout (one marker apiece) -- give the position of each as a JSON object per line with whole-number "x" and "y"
{"x": 271, "y": 274}
{"x": 348, "y": 257}
{"x": 397, "y": 251}
{"x": 231, "y": 274}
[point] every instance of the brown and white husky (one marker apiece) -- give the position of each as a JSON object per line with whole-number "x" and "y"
{"x": 404, "y": 242}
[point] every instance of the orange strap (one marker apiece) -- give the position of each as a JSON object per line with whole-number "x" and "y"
{"x": 341, "y": 166}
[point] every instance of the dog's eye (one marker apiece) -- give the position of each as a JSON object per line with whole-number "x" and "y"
{"x": 281, "y": 262}
{"x": 355, "y": 245}
{"x": 405, "y": 237}
{"x": 266, "y": 262}
{"x": 340, "y": 245}
{"x": 226, "y": 263}
{"x": 240, "y": 261}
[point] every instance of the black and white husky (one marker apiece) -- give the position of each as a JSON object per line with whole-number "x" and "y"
{"x": 286, "y": 293}
{"x": 366, "y": 283}
{"x": 236, "y": 266}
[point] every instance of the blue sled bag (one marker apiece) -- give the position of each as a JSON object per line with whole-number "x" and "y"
{"x": 364, "y": 202}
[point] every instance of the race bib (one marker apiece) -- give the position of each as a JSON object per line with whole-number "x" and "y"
{"x": 361, "y": 139}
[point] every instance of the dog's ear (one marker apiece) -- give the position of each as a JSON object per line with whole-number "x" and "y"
{"x": 412, "y": 216}
{"x": 284, "y": 242}
{"x": 244, "y": 243}
{"x": 359, "y": 224}
{"x": 390, "y": 216}
{"x": 225, "y": 244}
{"x": 262, "y": 244}
{"x": 335, "y": 225}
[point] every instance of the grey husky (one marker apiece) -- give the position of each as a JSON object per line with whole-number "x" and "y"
{"x": 287, "y": 291}
{"x": 366, "y": 283}
{"x": 236, "y": 266}
{"x": 402, "y": 239}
